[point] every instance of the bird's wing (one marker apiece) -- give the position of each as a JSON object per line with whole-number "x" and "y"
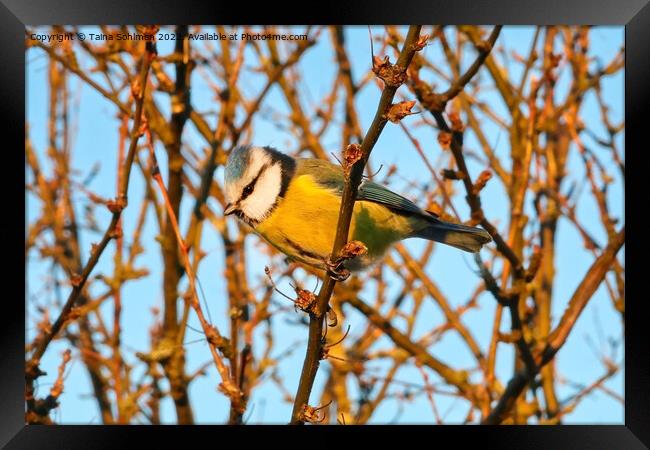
{"x": 377, "y": 193}
{"x": 331, "y": 176}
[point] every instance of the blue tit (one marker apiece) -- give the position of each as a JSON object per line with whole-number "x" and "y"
{"x": 293, "y": 203}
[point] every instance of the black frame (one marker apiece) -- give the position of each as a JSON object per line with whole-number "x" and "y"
{"x": 15, "y": 14}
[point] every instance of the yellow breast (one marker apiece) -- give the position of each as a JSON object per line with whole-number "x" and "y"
{"x": 303, "y": 225}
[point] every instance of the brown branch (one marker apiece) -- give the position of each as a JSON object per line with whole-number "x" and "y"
{"x": 312, "y": 357}
{"x": 42, "y": 407}
{"x": 459, "y": 84}
{"x": 117, "y": 294}
{"x": 501, "y": 81}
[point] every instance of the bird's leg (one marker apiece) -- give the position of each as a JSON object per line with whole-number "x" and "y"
{"x": 335, "y": 268}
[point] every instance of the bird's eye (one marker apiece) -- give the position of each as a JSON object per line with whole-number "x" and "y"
{"x": 248, "y": 190}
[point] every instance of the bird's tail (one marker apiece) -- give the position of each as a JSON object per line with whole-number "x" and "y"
{"x": 469, "y": 239}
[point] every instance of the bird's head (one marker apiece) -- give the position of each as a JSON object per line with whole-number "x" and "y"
{"x": 255, "y": 179}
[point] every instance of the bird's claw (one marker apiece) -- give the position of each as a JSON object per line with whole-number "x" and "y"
{"x": 336, "y": 271}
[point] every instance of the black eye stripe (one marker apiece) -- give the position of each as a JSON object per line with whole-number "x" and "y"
{"x": 250, "y": 187}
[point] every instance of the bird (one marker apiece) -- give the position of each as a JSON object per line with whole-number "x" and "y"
{"x": 294, "y": 203}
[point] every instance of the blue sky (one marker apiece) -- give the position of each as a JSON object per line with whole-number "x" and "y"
{"x": 95, "y": 143}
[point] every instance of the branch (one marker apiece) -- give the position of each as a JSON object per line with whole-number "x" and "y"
{"x": 352, "y": 181}
{"x": 39, "y": 413}
{"x": 484, "y": 50}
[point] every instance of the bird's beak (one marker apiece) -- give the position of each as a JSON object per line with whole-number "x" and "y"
{"x": 230, "y": 208}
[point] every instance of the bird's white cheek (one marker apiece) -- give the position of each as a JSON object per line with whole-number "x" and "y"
{"x": 267, "y": 189}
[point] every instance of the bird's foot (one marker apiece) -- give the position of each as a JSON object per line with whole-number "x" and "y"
{"x": 336, "y": 270}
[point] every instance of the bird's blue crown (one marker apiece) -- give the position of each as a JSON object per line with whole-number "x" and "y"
{"x": 237, "y": 162}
